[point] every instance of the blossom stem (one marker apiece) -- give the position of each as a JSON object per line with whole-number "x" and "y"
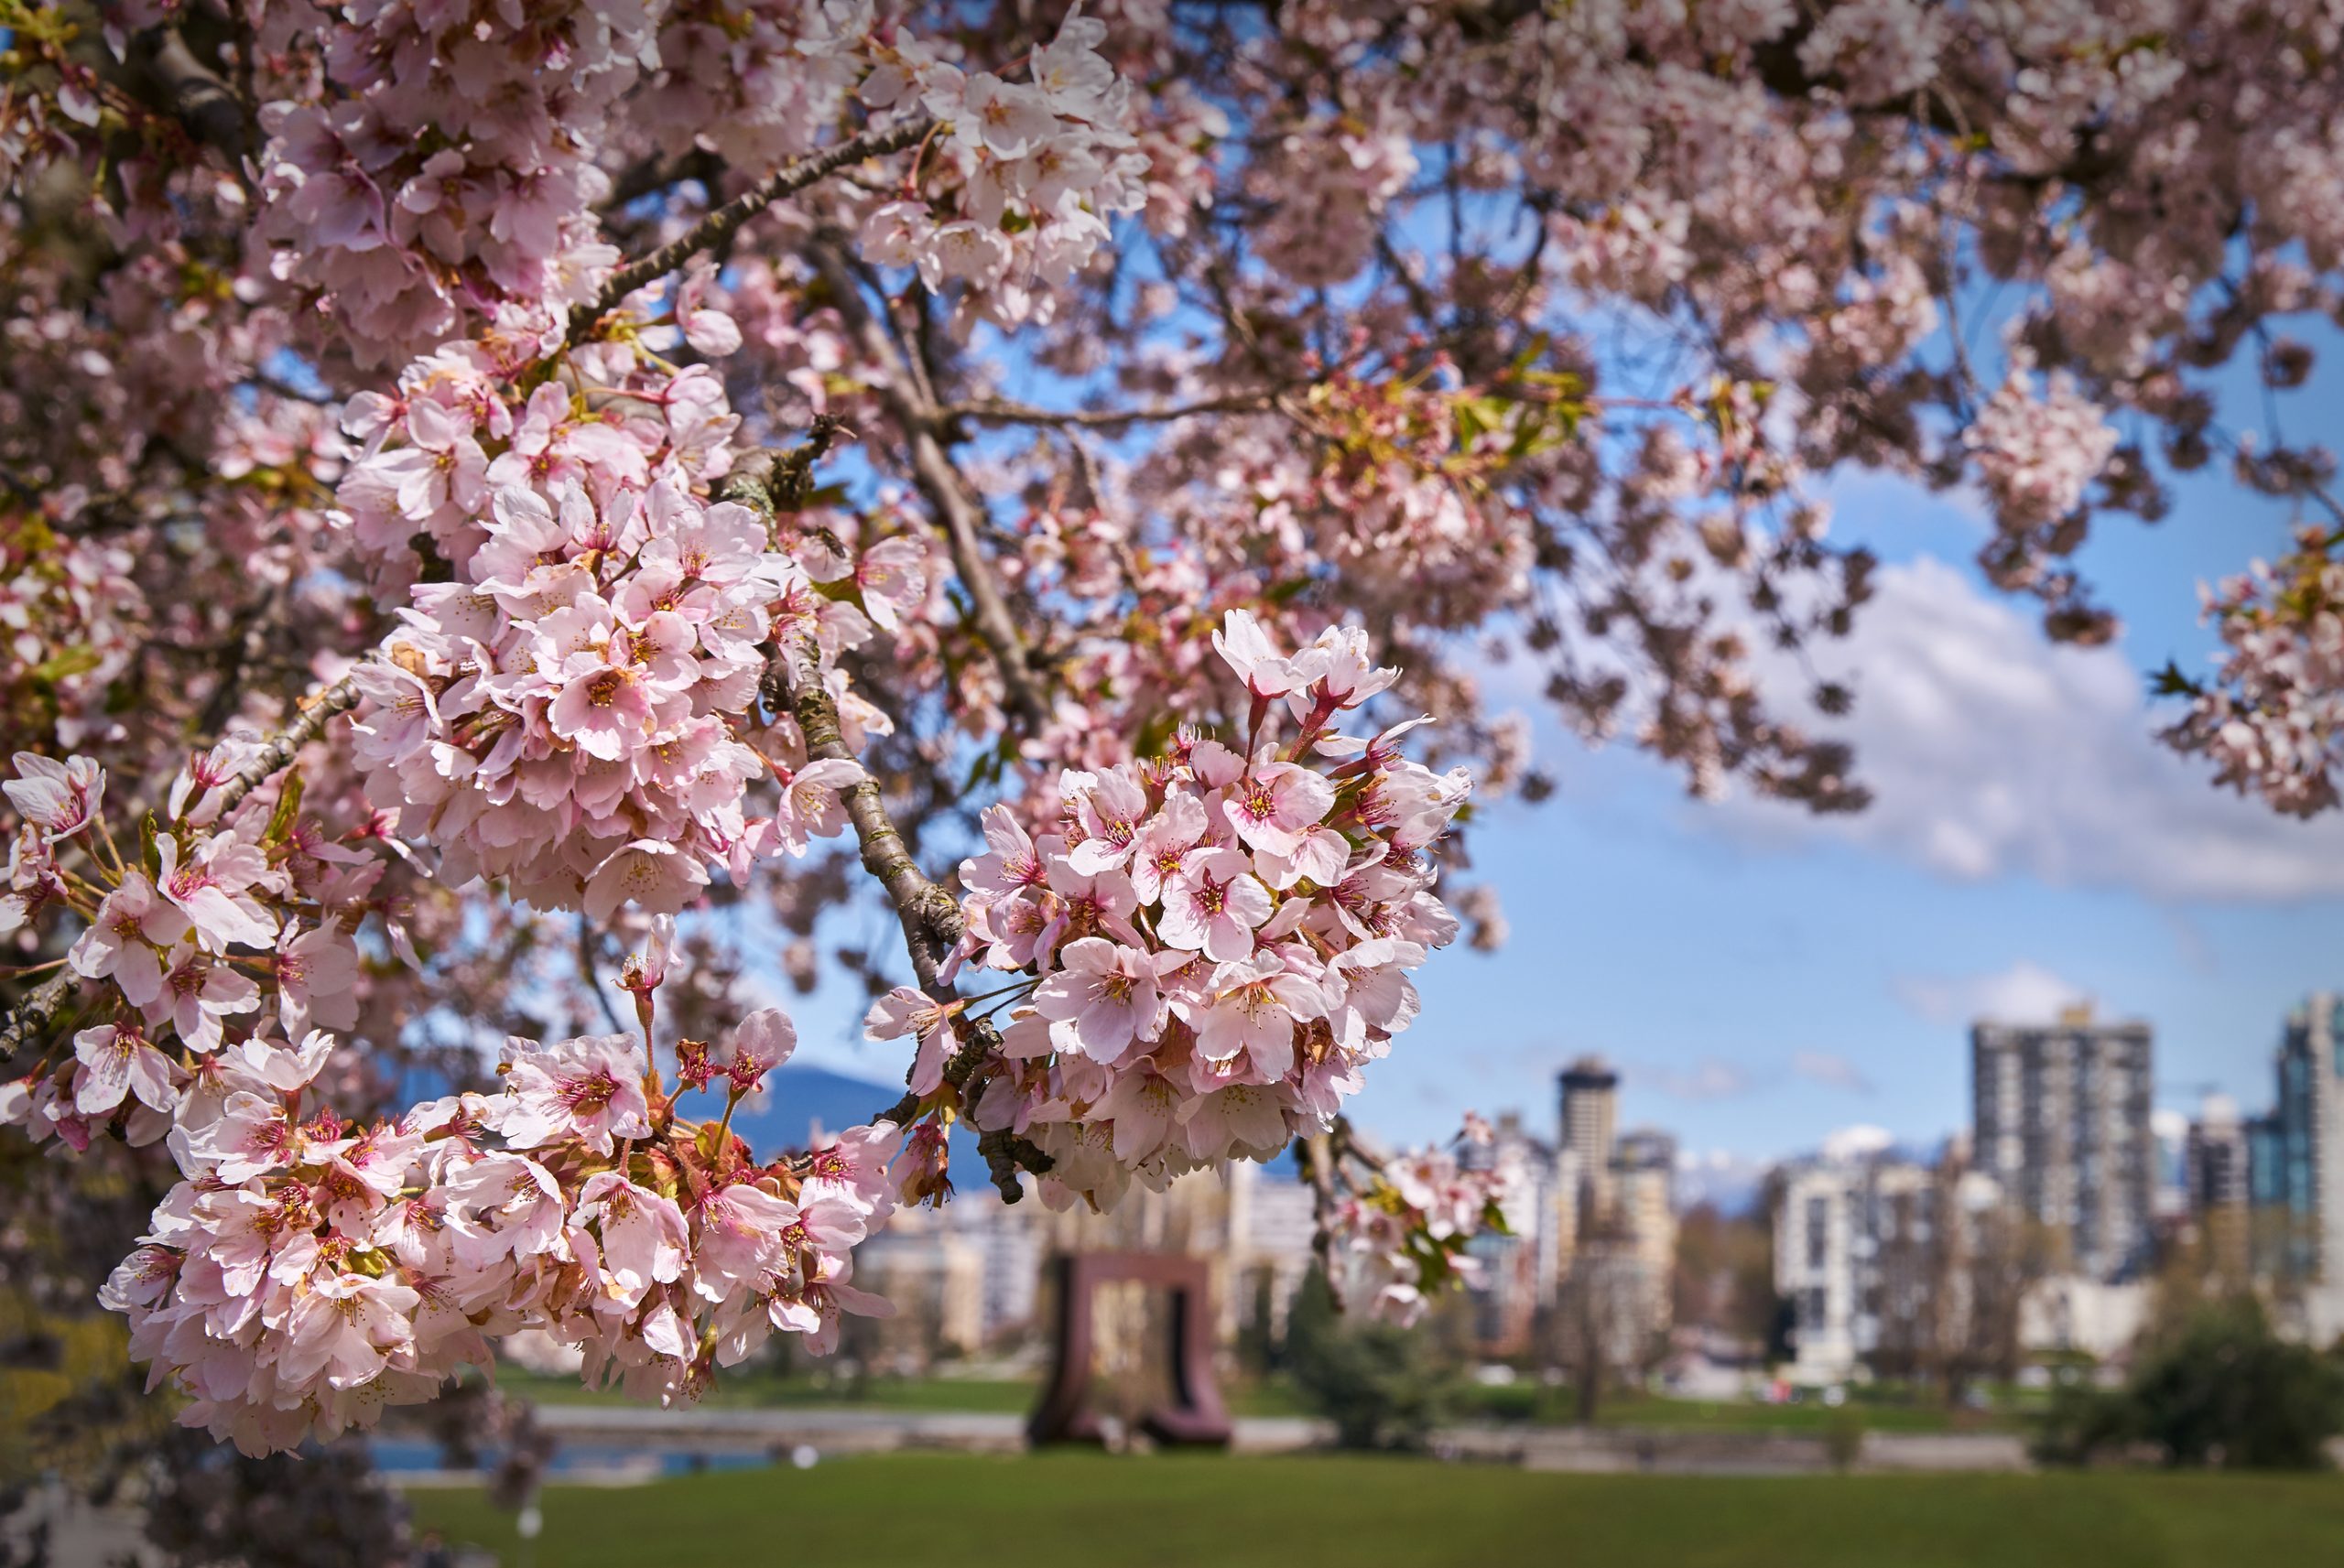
{"x": 724, "y": 222}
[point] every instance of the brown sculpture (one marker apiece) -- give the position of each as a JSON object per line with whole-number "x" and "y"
{"x": 1196, "y": 1416}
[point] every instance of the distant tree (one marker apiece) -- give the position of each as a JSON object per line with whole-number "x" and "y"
{"x": 1601, "y": 1323}
{"x": 2228, "y": 1391}
{"x": 1383, "y": 1385}
{"x": 2004, "y": 1255}
{"x": 322, "y": 1508}
{"x": 1725, "y": 1271}
{"x": 2217, "y": 1389}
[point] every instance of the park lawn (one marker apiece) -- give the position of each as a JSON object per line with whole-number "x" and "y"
{"x": 1810, "y": 1417}
{"x": 1522, "y": 1402}
{"x": 1060, "y": 1510}
{"x": 757, "y": 1392}
{"x": 1012, "y": 1396}
{"x": 1532, "y": 1404}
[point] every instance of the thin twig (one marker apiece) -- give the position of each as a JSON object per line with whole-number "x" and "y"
{"x": 993, "y": 411}
{"x": 591, "y": 974}
{"x": 720, "y": 225}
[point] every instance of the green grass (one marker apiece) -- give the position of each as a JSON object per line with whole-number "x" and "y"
{"x": 756, "y": 1391}
{"x": 1523, "y": 1402}
{"x": 1063, "y": 1509}
{"x": 1531, "y": 1403}
{"x": 766, "y": 1392}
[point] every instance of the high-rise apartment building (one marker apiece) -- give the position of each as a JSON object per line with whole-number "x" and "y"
{"x": 2215, "y": 1172}
{"x": 2296, "y": 1155}
{"x": 2061, "y": 1122}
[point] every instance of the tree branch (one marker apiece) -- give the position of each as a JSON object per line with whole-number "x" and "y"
{"x": 279, "y": 753}
{"x": 771, "y": 482}
{"x": 721, "y": 223}
{"x": 939, "y": 480}
{"x": 995, "y": 411}
{"x": 193, "y": 94}
{"x": 33, "y": 1015}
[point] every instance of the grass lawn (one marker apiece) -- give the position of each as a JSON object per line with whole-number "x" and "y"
{"x": 1531, "y": 1403}
{"x": 1063, "y": 1509}
{"x": 756, "y": 1392}
{"x": 1005, "y": 1395}
{"x": 1515, "y": 1403}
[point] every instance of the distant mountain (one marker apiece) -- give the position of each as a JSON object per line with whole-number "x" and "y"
{"x": 1731, "y": 1182}
{"x": 800, "y": 1098}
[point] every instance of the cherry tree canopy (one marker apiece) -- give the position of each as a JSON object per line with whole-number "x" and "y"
{"x": 495, "y": 493}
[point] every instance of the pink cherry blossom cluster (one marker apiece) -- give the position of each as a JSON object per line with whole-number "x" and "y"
{"x": 756, "y": 83}
{"x": 1342, "y": 173}
{"x": 1401, "y": 1238}
{"x": 2038, "y": 453}
{"x": 1220, "y": 941}
{"x": 443, "y": 165}
{"x": 2273, "y": 720}
{"x": 71, "y": 620}
{"x": 571, "y": 710}
{"x": 207, "y": 925}
{"x": 308, "y": 1273}
{"x": 1041, "y": 166}
{"x": 450, "y": 165}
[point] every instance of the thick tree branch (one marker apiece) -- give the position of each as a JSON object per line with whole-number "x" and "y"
{"x": 33, "y": 1016}
{"x": 720, "y": 225}
{"x": 1318, "y": 1161}
{"x": 940, "y": 482}
{"x": 772, "y": 483}
{"x": 193, "y": 94}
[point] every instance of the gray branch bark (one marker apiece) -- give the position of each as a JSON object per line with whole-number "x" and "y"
{"x": 724, "y": 222}
{"x": 939, "y": 482}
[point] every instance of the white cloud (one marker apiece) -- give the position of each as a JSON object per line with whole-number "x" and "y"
{"x": 1992, "y": 751}
{"x": 1712, "y": 1078}
{"x": 1832, "y": 1071}
{"x": 2027, "y": 992}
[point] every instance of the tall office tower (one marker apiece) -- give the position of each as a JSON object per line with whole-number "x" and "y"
{"x": 1644, "y": 1177}
{"x": 1591, "y": 1111}
{"x": 2061, "y": 1121}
